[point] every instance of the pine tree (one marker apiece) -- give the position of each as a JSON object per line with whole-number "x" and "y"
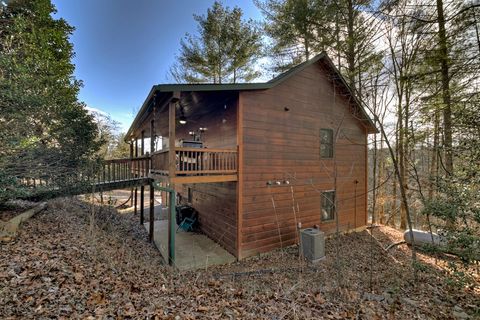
{"x": 298, "y": 30}
{"x": 225, "y": 49}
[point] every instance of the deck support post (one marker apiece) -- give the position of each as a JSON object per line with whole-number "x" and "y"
{"x": 152, "y": 212}
{"x": 171, "y": 174}
{"x": 171, "y": 219}
{"x": 142, "y": 204}
{"x": 135, "y": 175}
{"x": 171, "y": 230}
{"x": 130, "y": 171}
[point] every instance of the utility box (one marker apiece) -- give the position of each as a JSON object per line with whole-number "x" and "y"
{"x": 312, "y": 244}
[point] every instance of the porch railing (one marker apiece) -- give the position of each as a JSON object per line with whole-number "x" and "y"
{"x": 124, "y": 169}
{"x": 195, "y": 161}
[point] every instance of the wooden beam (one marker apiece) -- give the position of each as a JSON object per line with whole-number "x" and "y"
{"x": 152, "y": 212}
{"x": 171, "y": 139}
{"x": 171, "y": 172}
{"x": 130, "y": 172}
{"x": 136, "y": 147}
{"x": 142, "y": 204}
{"x": 143, "y": 143}
{"x": 240, "y": 175}
{"x": 135, "y": 175}
{"x": 203, "y": 179}
{"x": 152, "y": 136}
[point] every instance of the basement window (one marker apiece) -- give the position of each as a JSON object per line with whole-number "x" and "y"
{"x": 328, "y": 205}
{"x": 326, "y": 143}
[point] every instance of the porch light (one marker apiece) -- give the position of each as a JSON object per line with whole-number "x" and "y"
{"x": 182, "y": 120}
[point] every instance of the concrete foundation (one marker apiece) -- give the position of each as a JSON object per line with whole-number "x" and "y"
{"x": 192, "y": 250}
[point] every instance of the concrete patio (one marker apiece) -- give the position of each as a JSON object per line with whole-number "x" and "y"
{"x": 192, "y": 250}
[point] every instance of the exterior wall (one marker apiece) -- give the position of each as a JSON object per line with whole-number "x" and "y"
{"x": 280, "y": 145}
{"x": 215, "y": 202}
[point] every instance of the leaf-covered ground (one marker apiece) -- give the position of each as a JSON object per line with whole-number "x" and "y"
{"x": 72, "y": 262}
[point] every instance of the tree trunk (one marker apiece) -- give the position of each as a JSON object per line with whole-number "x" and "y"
{"x": 446, "y": 95}
{"x": 381, "y": 195}
{"x": 434, "y": 162}
{"x": 350, "y": 54}
{"x": 374, "y": 179}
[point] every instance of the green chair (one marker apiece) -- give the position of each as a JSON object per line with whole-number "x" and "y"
{"x": 187, "y": 224}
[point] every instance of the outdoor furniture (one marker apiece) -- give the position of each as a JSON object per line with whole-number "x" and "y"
{"x": 187, "y": 224}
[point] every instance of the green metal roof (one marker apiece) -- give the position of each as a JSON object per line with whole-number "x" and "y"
{"x": 170, "y": 88}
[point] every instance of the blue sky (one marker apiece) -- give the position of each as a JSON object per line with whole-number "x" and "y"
{"x": 124, "y": 47}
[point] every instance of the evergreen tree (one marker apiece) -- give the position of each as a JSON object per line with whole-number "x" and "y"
{"x": 46, "y": 133}
{"x": 225, "y": 49}
{"x": 298, "y": 30}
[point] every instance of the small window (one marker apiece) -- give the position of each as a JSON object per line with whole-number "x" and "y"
{"x": 328, "y": 205}
{"x": 326, "y": 143}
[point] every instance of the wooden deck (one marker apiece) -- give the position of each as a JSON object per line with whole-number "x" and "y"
{"x": 191, "y": 166}
{"x": 195, "y": 165}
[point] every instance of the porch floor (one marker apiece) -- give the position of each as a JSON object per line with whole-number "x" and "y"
{"x": 192, "y": 250}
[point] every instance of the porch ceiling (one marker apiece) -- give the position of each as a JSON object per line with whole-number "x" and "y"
{"x": 193, "y": 104}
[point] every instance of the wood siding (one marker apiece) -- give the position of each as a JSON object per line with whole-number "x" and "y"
{"x": 216, "y": 204}
{"x": 281, "y": 145}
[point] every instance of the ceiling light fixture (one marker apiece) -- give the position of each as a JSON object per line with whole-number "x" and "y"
{"x": 182, "y": 119}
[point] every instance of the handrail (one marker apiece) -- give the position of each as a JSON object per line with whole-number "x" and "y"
{"x": 124, "y": 169}
{"x": 204, "y": 149}
{"x": 128, "y": 159}
{"x": 160, "y": 151}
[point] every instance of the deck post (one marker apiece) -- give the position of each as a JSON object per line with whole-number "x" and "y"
{"x": 171, "y": 219}
{"x": 135, "y": 175}
{"x": 171, "y": 136}
{"x": 142, "y": 204}
{"x": 142, "y": 187}
{"x": 143, "y": 143}
{"x": 171, "y": 174}
{"x": 152, "y": 136}
{"x": 152, "y": 212}
{"x": 129, "y": 173}
{"x": 171, "y": 230}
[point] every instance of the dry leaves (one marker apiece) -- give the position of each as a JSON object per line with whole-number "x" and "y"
{"x": 58, "y": 267}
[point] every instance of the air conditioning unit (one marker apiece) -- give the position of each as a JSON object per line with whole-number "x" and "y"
{"x": 312, "y": 244}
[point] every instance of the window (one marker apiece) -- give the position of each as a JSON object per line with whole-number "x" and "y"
{"x": 328, "y": 205}
{"x": 326, "y": 143}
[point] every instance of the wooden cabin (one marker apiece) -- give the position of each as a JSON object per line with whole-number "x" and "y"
{"x": 257, "y": 160}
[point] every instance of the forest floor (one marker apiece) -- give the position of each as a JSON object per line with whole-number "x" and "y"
{"x": 70, "y": 261}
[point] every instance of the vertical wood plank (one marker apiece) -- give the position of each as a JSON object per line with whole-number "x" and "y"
{"x": 240, "y": 175}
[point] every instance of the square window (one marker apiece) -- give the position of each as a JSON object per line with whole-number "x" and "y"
{"x": 326, "y": 143}
{"x": 328, "y": 205}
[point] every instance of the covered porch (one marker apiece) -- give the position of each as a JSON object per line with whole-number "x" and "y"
{"x": 190, "y": 136}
